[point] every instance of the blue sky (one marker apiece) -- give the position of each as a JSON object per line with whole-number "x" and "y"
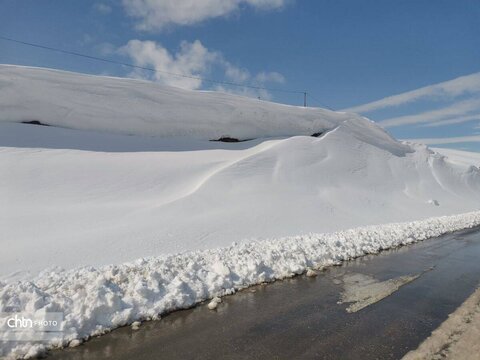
{"x": 346, "y": 53}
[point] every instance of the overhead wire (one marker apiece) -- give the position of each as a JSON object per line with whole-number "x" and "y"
{"x": 145, "y": 68}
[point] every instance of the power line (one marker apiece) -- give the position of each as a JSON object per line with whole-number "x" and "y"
{"x": 319, "y": 102}
{"x": 230, "y": 83}
{"x": 147, "y": 68}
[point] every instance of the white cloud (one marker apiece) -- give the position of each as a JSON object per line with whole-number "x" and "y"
{"x": 469, "y": 84}
{"x": 235, "y": 74}
{"x": 102, "y": 8}
{"x": 264, "y": 77}
{"x": 260, "y": 80}
{"x": 460, "y": 108}
{"x": 193, "y": 60}
{"x": 157, "y": 14}
{"x": 457, "y": 120}
{"x": 448, "y": 140}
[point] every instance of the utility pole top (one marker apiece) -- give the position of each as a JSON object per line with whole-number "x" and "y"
{"x": 305, "y": 99}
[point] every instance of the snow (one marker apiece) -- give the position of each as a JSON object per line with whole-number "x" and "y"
{"x": 93, "y": 207}
{"x": 362, "y": 290}
{"x": 460, "y": 156}
{"x": 135, "y": 107}
{"x": 213, "y": 304}
{"x": 74, "y": 343}
{"x": 311, "y": 273}
{"x": 433, "y": 202}
{"x": 136, "y": 325}
{"x": 126, "y": 170}
{"x": 97, "y": 299}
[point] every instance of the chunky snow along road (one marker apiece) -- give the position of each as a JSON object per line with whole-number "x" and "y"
{"x": 95, "y": 300}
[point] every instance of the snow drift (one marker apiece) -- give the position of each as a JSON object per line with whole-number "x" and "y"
{"x": 462, "y": 157}
{"x": 126, "y": 170}
{"x": 74, "y": 197}
{"x": 136, "y": 107}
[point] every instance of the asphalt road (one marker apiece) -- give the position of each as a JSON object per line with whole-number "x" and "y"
{"x": 300, "y": 318}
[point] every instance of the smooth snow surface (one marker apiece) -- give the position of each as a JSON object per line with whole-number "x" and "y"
{"x": 97, "y": 207}
{"x": 126, "y": 170}
{"x": 135, "y": 107}
{"x": 97, "y": 196}
{"x": 459, "y": 156}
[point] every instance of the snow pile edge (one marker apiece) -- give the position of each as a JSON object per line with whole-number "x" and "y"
{"x": 97, "y": 300}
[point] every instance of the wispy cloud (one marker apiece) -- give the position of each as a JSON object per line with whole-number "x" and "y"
{"x": 469, "y": 84}
{"x": 460, "y": 108}
{"x": 195, "y": 61}
{"x": 273, "y": 76}
{"x": 102, "y": 8}
{"x": 155, "y": 15}
{"x": 253, "y": 93}
{"x": 457, "y": 120}
{"x": 448, "y": 140}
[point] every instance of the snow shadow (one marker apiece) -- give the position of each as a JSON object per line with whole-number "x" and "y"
{"x": 28, "y": 135}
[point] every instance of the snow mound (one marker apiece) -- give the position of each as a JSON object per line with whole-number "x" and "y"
{"x": 86, "y": 193}
{"x": 96, "y": 299}
{"x": 466, "y": 158}
{"x": 126, "y": 169}
{"x": 135, "y": 107}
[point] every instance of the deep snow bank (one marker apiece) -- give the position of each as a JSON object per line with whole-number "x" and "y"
{"x": 74, "y": 208}
{"x": 85, "y": 193}
{"x": 74, "y": 197}
{"x": 128, "y": 106}
{"x": 94, "y": 300}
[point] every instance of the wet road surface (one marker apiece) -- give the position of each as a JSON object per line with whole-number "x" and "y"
{"x": 300, "y": 317}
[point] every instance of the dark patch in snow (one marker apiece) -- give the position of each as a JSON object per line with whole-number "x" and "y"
{"x": 229, "y": 139}
{"x": 317, "y": 134}
{"x": 34, "y": 122}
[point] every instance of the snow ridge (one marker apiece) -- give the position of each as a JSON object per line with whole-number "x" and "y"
{"x": 135, "y": 107}
{"x": 96, "y": 300}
